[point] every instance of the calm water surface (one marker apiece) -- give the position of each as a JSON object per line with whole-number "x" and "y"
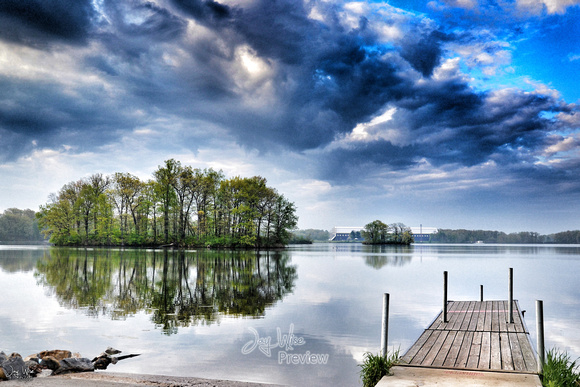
{"x": 304, "y": 316}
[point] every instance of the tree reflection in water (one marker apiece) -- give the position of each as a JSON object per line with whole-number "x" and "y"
{"x": 391, "y": 255}
{"x": 178, "y": 288}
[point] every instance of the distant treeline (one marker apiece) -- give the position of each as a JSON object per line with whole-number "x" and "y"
{"x": 464, "y": 236}
{"x": 311, "y": 235}
{"x": 180, "y": 205}
{"x": 19, "y": 226}
{"x": 486, "y": 236}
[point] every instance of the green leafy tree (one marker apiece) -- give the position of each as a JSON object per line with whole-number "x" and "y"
{"x": 284, "y": 220}
{"x": 375, "y": 232}
{"x": 18, "y": 225}
{"x": 166, "y": 178}
{"x": 128, "y": 196}
{"x": 59, "y": 219}
{"x": 187, "y": 206}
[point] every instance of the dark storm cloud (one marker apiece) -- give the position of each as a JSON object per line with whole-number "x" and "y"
{"x": 318, "y": 80}
{"x": 447, "y": 123}
{"x": 359, "y": 82}
{"x": 37, "y": 22}
{"x": 281, "y": 30}
{"x": 137, "y": 20}
{"x": 357, "y": 162}
{"x": 465, "y": 127}
{"x": 50, "y": 110}
{"x": 41, "y": 115}
{"x": 423, "y": 52}
{"x": 204, "y": 10}
{"x": 329, "y": 78}
{"x": 131, "y": 31}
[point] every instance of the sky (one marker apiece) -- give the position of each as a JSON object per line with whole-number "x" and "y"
{"x": 445, "y": 113}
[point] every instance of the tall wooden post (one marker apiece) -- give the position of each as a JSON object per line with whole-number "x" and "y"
{"x": 511, "y": 307}
{"x": 540, "y": 334}
{"x": 445, "y": 297}
{"x": 385, "y": 325}
{"x": 481, "y": 293}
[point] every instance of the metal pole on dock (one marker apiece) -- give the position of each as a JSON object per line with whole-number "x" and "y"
{"x": 481, "y": 293}
{"x": 511, "y": 307}
{"x": 385, "y": 327}
{"x": 540, "y": 334}
{"x": 445, "y": 297}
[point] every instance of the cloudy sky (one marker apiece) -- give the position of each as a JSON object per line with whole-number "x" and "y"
{"x": 446, "y": 113}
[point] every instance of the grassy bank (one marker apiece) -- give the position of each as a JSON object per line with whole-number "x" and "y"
{"x": 374, "y": 367}
{"x": 560, "y": 370}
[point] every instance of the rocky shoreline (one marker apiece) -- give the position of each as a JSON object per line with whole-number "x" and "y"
{"x": 62, "y": 368}
{"x": 54, "y": 362}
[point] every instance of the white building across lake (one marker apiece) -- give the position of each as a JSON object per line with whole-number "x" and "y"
{"x": 343, "y": 233}
{"x": 420, "y": 234}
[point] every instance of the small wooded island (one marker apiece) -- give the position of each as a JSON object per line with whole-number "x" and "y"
{"x": 379, "y": 233}
{"x": 181, "y": 206}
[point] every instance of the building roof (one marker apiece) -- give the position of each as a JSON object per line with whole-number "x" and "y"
{"x": 342, "y": 230}
{"x": 414, "y": 230}
{"x": 424, "y": 230}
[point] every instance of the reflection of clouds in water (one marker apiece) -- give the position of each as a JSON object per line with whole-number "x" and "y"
{"x": 558, "y": 334}
{"x": 20, "y": 258}
{"x": 337, "y": 372}
{"x": 335, "y": 304}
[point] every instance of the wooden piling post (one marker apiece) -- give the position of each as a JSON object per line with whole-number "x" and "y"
{"x": 540, "y": 334}
{"x": 511, "y": 301}
{"x": 481, "y": 293}
{"x": 385, "y": 325}
{"x": 445, "y": 297}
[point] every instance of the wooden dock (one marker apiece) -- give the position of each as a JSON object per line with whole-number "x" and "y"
{"x": 477, "y": 336}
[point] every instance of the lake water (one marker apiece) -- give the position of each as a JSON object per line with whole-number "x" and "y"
{"x": 303, "y": 316}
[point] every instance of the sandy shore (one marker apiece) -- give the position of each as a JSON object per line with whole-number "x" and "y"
{"x": 111, "y": 379}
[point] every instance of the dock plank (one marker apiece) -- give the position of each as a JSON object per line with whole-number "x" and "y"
{"x": 488, "y": 317}
{"x": 412, "y": 352}
{"x": 506, "y": 354}
{"x": 481, "y": 317}
{"x": 436, "y": 324}
{"x": 424, "y": 350}
{"x": 485, "y": 355}
{"x": 445, "y": 349}
{"x": 435, "y": 348}
{"x": 453, "y": 353}
{"x": 468, "y": 316}
{"x": 494, "y": 317}
{"x": 475, "y": 350}
{"x": 511, "y": 327}
{"x": 456, "y": 315}
{"x": 502, "y": 316}
{"x": 495, "y": 349}
{"x": 474, "y": 317}
{"x": 463, "y": 355}
{"x": 476, "y": 336}
{"x": 517, "y": 356}
{"x": 527, "y": 352}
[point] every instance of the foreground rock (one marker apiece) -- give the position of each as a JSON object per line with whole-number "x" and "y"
{"x": 58, "y": 362}
{"x": 13, "y": 367}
